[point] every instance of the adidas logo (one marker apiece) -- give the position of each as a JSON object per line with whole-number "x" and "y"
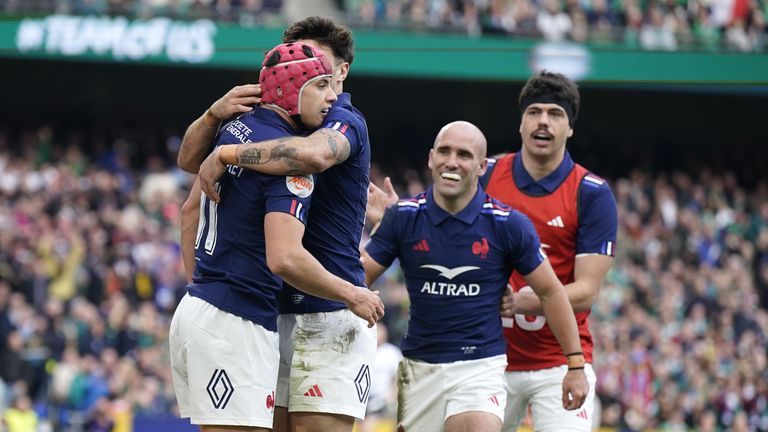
{"x": 556, "y": 222}
{"x": 583, "y": 414}
{"x": 421, "y": 246}
{"x": 314, "y": 391}
{"x": 494, "y": 400}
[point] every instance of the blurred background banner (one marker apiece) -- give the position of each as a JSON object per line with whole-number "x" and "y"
{"x": 204, "y": 43}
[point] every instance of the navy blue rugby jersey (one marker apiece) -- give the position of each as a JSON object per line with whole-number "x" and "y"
{"x": 338, "y": 212}
{"x": 231, "y": 272}
{"x": 456, "y": 269}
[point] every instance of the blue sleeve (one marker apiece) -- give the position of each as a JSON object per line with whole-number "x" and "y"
{"x": 289, "y": 194}
{"x": 523, "y": 243}
{"x": 347, "y": 124}
{"x": 598, "y": 220}
{"x": 384, "y": 244}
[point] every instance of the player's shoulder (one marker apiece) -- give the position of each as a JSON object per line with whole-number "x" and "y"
{"x": 344, "y": 111}
{"x": 501, "y": 212}
{"x": 497, "y": 159}
{"x": 414, "y": 204}
{"x": 593, "y": 184}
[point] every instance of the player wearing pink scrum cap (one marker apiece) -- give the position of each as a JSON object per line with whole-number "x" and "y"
{"x": 223, "y": 337}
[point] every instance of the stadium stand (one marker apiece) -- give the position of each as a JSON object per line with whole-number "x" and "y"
{"x": 90, "y": 274}
{"x": 737, "y": 25}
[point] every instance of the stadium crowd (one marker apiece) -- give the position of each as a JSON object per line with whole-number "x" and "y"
{"x": 737, "y": 25}
{"x": 90, "y": 273}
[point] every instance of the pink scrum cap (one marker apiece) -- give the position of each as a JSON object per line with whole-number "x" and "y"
{"x": 286, "y": 70}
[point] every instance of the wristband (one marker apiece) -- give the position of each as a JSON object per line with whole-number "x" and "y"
{"x": 208, "y": 117}
{"x": 576, "y": 361}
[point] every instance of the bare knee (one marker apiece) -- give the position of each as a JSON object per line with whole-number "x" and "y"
{"x": 473, "y": 421}
{"x": 320, "y": 422}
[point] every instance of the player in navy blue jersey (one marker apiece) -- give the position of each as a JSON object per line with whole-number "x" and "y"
{"x": 224, "y": 345}
{"x": 330, "y": 394}
{"x": 457, "y": 248}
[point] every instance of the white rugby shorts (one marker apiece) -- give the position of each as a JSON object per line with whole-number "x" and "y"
{"x": 429, "y": 393}
{"x": 224, "y": 367}
{"x": 325, "y": 362}
{"x": 543, "y": 390}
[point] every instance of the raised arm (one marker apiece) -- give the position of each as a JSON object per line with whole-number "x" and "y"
{"x": 294, "y": 155}
{"x": 196, "y": 143}
{"x": 287, "y": 258}
{"x": 559, "y": 314}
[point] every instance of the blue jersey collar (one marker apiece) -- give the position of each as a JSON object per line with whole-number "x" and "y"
{"x": 467, "y": 215}
{"x": 525, "y": 182}
{"x": 343, "y": 100}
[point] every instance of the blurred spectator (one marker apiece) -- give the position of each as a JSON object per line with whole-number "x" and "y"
{"x": 552, "y": 22}
{"x": 20, "y": 417}
{"x": 658, "y": 31}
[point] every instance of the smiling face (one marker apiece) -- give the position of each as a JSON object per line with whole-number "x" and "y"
{"x": 457, "y": 160}
{"x": 544, "y": 130}
{"x": 315, "y": 101}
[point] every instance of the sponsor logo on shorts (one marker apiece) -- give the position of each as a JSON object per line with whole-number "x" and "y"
{"x": 314, "y": 391}
{"x": 220, "y": 389}
{"x": 583, "y": 414}
{"x": 301, "y": 186}
{"x": 494, "y": 400}
{"x": 271, "y": 401}
{"x": 363, "y": 383}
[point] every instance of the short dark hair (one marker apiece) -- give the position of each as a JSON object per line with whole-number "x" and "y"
{"x": 552, "y": 84}
{"x": 324, "y": 31}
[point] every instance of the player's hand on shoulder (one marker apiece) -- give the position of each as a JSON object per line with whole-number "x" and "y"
{"x": 379, "y": 200}
{"x": 240, "y": 99}
{"x": 367, "y": 305}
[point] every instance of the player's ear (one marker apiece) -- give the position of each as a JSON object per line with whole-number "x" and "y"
{"x": 570, "y": 132}
{"x": 429, "y": 160}
{"x": 483, "y": 167}
{"x": 343, "y": 71}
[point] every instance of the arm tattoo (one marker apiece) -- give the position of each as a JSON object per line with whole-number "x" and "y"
{"x": 288, "y": 154}
{"x": 254, "y": 155}
{"x": 250, "y": 156}
{"x": 339, "y": 149}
